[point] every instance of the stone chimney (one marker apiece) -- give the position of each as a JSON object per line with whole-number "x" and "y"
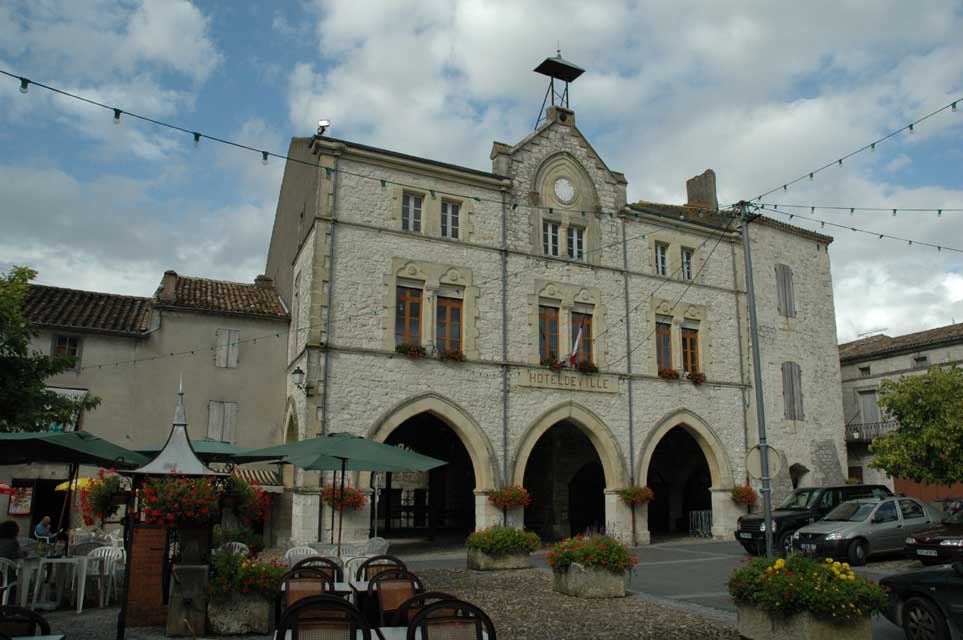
{"x": 701, "y": 190}
{"x": 168, "y": 290}
{"x": 263, "y": 282}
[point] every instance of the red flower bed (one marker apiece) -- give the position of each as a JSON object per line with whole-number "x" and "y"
{"x": 595, "y": 551}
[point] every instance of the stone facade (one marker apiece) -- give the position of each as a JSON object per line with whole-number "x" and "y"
{"x": 341, "y": 249}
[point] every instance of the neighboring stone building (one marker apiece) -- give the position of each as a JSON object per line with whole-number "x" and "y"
{"x": 378, "y": 253}
{"x": 865, "y": 364}
{"x": 124, "y": 346}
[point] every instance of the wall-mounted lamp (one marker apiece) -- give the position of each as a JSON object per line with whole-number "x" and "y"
{"x": 297, "y": 376}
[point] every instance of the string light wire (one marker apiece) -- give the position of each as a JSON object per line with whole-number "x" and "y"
{"x": 815, "y": 207}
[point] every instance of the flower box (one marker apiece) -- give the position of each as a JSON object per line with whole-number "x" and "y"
{"x": 480, "y": 561}
{"x": 239, "y": 614}
{"x": 411, "y": 351}
{"x": 552, "y": 363}
{"x": 696, "y": 377}
{"x": 501, "y": 547}
{"x": 668, "y": 374}
{"x": 451, "y": 355}
{"x": 589, "y": 582}
{"x": 586, "y": 367}
{"x": 757, "y": 624}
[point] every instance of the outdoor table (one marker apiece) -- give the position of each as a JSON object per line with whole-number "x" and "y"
{"x": 79, "y": 565}
{"x": 26, "y": 571}
{"x": 401, "y": 633}
{"x": 55, "y": 636}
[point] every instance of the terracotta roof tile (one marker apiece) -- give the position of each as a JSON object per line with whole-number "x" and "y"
{"x": 882, "y": 344}
{"x": 218, "y": 296}
{"x": 86, "y": 310}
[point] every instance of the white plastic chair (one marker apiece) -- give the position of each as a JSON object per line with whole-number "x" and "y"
{"x": 8, "y": 578}
{"x": 107, "y": 557}
{"x": 295, "y": 554}
{"x": 376, "y": 547}
{"x": 236, "y": 548}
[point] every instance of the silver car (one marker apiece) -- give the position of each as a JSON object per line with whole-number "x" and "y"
{"x": 856, "y": 529}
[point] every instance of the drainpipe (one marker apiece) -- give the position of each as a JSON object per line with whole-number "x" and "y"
{"x": 628, "y": 355}
{"x": 742, "y": 365}
{"x": 504, "y": 339}
{"x": 326, "y": 374}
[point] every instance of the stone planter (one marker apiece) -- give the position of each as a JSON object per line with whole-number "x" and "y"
{"x": 756, "y": 624}
{"x": 481, "y": 561}
{"x": 589, "y": 582}
{"x": 240, "y": 614}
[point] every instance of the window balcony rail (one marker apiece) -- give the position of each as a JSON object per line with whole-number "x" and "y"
{"x": 869, "y": 431}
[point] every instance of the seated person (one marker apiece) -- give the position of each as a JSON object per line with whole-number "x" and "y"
{"x": 9, "y": 546}
{"x": 42, "y": 530}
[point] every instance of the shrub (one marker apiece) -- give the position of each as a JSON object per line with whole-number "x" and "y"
{"x": 510, "y": 497}
{"x": 451, "y": 355}
{"x": 177, "y": 500}
{"x": 223, "y": 535}
{"x": 97, "y": 498}
{"x": 669, "y": 374}
{"x": 352, "y": 498}
{"x": 250, "y": 503}
{"x": 597, "y": 550}
{"x": 585, "y": 366}
{"x": 498, "y": 541}
{"x": 744, "y": 495}
{"x": 697, "y": 377}
{"x": 237, "y": 574}
{"x": 412, "y": 351}
{"x": 637, "y": 496}
{"x": 828, "y": 590}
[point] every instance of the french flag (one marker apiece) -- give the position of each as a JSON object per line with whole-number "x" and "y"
{"x": 578, "y": 339}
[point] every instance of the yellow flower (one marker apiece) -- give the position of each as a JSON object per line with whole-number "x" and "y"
{"x": 845, "y": 565}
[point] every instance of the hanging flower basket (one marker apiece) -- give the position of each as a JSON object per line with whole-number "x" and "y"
{"x": 668, "y": 374}
{"x": 102, "y": 497}
{"x": 636, "y": 496}
{"x": 510, "y": 497}
{"x": 249, "y": 503}
{"x": 410, "y": 351}
{"x": 352, "y": 498}
{"x": 744, "y": 495}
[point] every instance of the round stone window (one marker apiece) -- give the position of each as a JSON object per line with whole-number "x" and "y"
{"x": 564, "y": 190}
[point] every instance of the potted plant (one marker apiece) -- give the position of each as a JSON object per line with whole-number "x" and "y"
{"x": 253, "y": 541}
{"x": 249, "y": 503}
{"x": 803, "y": 598}
{"x": 102, "y": 497}
{"x": 668, "y": 374}
{"x": 744, "y": 496}
{"x": 636, "y": 496}
{"x": 188, "y": 505}
{"x": 242, "y": 593}
{"x": 410, "y": 351}
{"x": 696, "y": 377}
{"x": 552, "y": 363}
{"x": 596, "y": 566}
{"x": 501, "y": 547}
{"x": 451, "y": 355}
{"x": 351, "y": 498}
{"x": 586, "y": 366}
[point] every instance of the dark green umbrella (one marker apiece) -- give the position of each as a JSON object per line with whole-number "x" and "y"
{"x": 71, "y": 447}
{"x": 211, "y": 450}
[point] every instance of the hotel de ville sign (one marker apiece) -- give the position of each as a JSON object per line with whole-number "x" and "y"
{"x": 566, "y": 380}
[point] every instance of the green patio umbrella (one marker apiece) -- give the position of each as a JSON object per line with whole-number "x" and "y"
{"x": 211, "y": 450}
{"x": 70, "y": 447}
{"x": 347, "y": 452}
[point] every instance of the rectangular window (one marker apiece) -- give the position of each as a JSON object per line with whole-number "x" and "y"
{"x": 864, "y": 372}
{"x": 690, "y": 350}
{"x": 686, "y": 264}
{"x": 547, "y": 333}
{"x": 921, "y": 361}
{"x": 411, "y": 212}
{"x": 792, "y": 391}
{"x": 662, "y": 259}
{"x": 222, "y": 421}
{"x": 550, "y": 238}
{"x": 449, "y": 219}
{"x": 786, "y": 297}
{"x": 408, "y": 316}
{"x": 868, "y": 406}
{"x": 227, "y": 344}
{"x": 448, "y": 328}
{"x": 67, "y": 347}
{"x": 663, "y": 345}
{"x": 856, "y": 474}
{"x": 576, "y": 243}
{"x": 583, "y": 321}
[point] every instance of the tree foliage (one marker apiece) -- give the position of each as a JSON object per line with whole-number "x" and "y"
{"x": 26, "y": 404}
{"x": 928, "y": 445}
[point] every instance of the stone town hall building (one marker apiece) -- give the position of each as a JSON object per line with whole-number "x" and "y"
{"x": 375, "y": 252}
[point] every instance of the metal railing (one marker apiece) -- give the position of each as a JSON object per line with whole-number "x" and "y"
{"x": 700, "y": 523}
{"x": 869, "y": 431}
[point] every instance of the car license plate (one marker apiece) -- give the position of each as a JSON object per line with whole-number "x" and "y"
{"x": 807, "y": 547}
{"x": 926, "y": 552}
{"x": 746, "y": 535}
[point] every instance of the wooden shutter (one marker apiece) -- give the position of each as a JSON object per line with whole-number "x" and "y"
{"x": 797, "y": 395}
{"x": 785, "y": 295}
{"x": 233, "y": 347}
{"x": 787, "y": 392}
{"x": 229, "y": 432}
{"x": 221, "y": 339}
{"x": 215, "y": 419}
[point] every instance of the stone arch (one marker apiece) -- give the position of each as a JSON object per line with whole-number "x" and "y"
{"x": 712, "y": 447}
{"x": 560, "y": 164}
{"x": 290, "y": 423}
{"x": 613, "y": 463}
{"x": 465, "y": 427}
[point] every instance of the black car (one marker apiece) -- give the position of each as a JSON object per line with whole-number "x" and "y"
{"x": 803, "y": 507}
{"x": 928, "y": 603}
{"x": 938, "y": 545}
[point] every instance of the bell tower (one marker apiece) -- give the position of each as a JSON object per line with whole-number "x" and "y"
{"x": 564, "y": 72}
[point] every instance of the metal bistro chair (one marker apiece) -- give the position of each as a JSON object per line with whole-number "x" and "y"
{"x": 376, "y": 564}
{"x": 8, "y": 579}
{"x": 391, "y": 589}
{"x": 413, "y": 605}
{"x": 451, "y": 620}
{"x": 325, "y": 565}
{"x": 17, "y": 621}
{"x": 298, "y": 584}
{"x": 323, "y": 618}
{"x": 295, "y": 554}
{"x": 236, "y": 548}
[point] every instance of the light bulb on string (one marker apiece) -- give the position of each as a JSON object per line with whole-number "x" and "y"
{"x": 894, "y": 213}
{"x": 785, "y": 187}
{"x": 852, "y": 210}
{"x": 264, "y": 157}
{"x": 810, "y": 176}
{"x": 840, "y": 162}
{"x": 25, "y": 86}
{"x": 953, "y": 107}
{"x": 197, "y": 139}
{"x": 872, "y": 147}
{"x": 939, "y": 213}
{"x": 911, "y": 129}
{"x": 117, "y": 113}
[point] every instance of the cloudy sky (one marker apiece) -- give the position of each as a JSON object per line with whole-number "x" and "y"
{"x": 760, "y": 92}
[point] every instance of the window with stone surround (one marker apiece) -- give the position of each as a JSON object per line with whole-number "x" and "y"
{"x": 662, "y": 259}
{"x": 67, "y": 347}
{"x": 448, "y": 324}
{"x": 408, "y": 316}
{"x": 411, "y": 212}
{"x": 582, "y": 322}
{"x": 548, "y": 333}
{"x": 576, "y": 243}
{"x": 690, "y": 350}
{"x": 792, "y": 391}
{"x": 550, "y": 238}
{"x": 687, "y": 272}
{"x": 449, "y": 219}
{"x": 663, "y": 345}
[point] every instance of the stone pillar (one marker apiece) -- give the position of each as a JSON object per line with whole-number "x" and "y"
{"x": 618, "y": 516}
{"x": 487, "y": 514}
{"x": 305, "y": 506}
{"x": 357, "y": 524}
{"x": 725, "y": 512}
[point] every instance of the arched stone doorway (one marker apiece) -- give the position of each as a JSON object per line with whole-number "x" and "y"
{"x": 449, "y": 499}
